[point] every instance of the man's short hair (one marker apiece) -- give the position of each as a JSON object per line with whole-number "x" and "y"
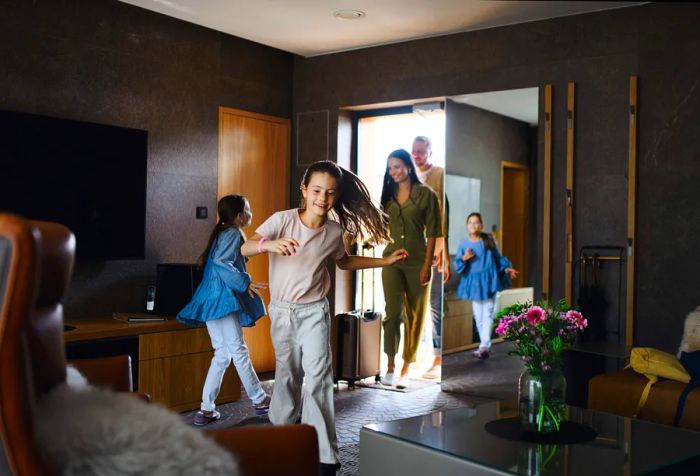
{"x": 424, "y": 139}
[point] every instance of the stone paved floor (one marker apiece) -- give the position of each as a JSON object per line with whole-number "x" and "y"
{"x": 354, "y": 408}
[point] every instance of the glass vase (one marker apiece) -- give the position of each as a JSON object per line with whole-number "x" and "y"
{"x": 542, "y": 401}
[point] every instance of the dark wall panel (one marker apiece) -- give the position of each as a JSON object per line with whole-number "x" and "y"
{"x": 477, "y": 141}
{"x": 599, "y": 52}
{"x": 108, "y": 62}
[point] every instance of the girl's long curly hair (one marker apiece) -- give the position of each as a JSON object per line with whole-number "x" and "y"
{"x": 354, "y": 209}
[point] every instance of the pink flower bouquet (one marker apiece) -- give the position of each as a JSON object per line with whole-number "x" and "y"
{"x": 540, "y": 331}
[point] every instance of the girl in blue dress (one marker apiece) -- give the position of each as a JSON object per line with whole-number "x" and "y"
{"x": 225, "y": 300}
{"x": 483, "y": 272}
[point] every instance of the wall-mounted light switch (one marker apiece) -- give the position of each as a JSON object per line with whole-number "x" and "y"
{"x": 201, "y": 213}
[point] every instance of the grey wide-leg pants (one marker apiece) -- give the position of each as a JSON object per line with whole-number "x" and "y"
{"x": 303, "y": 373}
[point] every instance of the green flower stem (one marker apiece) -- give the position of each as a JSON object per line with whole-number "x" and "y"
{"x": 554, "y": 418}
{"x": 541, "y": 411}
{"x": 551, "y": 455}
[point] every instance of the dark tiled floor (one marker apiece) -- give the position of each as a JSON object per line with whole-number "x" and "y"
{"x": 495, "y": 377}
{"x": 354, "y": 408}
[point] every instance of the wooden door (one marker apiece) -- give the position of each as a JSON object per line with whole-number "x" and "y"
{"x": 515, "y": 200}
{"x": 254, "y": 151}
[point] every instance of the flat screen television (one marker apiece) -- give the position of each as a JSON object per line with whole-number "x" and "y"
{"x": 90, "y": 177}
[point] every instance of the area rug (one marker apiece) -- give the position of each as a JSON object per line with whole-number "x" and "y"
{"x": 413, "y": 385}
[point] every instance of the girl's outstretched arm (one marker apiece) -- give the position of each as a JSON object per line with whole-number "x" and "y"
{"x": 505, "y": 265}
{"x": 353, "y": 262}
{"x": 283, "y": 246}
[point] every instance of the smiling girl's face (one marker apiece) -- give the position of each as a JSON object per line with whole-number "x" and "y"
{"x": 321, "y": 194}
{"x": 474, "y": 225}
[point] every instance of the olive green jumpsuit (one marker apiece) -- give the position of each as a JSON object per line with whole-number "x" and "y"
{"x": 411, "y": 224}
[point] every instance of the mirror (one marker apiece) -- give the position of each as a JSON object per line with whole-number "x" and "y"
{"x": 491, "y": 155}
{"x": 490, "y": 146}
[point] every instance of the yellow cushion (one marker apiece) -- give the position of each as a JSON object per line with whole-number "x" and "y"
{"x": 653, "y": 362}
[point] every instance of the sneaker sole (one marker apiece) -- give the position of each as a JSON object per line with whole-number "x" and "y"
{"x": 204, "y": 423}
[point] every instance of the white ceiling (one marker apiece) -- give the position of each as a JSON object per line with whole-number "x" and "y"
{"x": 520, "y": 104}
{"x": 308, "y": 27}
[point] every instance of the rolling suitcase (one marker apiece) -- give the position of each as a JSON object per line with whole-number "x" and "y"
{"x": 358, "y": 343}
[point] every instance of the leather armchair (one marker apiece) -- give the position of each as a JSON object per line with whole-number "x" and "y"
{"x": 36, "y": 264}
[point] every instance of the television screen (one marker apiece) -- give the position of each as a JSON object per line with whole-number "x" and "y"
{"x": 90, "y": 177}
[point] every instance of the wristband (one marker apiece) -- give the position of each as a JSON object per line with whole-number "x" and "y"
{"x": 260, "y": 244}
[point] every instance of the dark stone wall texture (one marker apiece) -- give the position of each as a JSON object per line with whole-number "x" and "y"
{"x": 113, "y": 63}
{"x": 598, "y": 51}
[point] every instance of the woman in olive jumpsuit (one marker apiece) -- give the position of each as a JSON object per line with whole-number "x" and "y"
{"x": 414, "y": 221}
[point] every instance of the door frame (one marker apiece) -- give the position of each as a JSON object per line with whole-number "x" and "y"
{"x": 512, "y": 165}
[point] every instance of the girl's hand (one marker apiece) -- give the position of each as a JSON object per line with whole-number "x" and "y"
{"x": 255, "y": 288}
{"x": 468, "y": 254}
{"x": 512, "y": 273}
{"x": 425, "y": 275}
{"x": 396, "y": 256}
{"x": 282, "y": 246}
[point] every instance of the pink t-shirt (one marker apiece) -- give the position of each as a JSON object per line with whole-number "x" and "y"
{"x": 302, "y": 277}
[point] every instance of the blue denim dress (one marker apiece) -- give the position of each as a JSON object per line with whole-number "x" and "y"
{"x": 224, "y": 287}
{"x": 481, "y": 276}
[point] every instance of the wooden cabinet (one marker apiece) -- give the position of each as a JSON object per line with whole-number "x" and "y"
{"x": 173, "y": 366}
{"x": 171, "y": 360}
{"x": 457, "y": 329}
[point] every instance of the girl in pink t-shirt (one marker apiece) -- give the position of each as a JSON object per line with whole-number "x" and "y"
{"x": 300, "y": 241}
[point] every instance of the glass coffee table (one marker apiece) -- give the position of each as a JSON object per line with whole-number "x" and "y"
{"x": 454, "y": 442}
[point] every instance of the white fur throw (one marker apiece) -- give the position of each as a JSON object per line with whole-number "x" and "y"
{"x": 691, "y": 333}
{"x": 85, "y": 430}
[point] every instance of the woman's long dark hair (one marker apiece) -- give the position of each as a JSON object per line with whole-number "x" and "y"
{"x": 485, "y": 237}
{"x": 354, "y": 209}
{"x": 389, "y": 186}
{"x": 228, "y": 209}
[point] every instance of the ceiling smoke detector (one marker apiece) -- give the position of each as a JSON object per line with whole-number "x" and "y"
{"x": 349, "y": 14}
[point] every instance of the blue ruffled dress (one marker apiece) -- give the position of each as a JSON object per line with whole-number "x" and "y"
{"x": 479, "y": 277}
{"x": 224, "y": 287}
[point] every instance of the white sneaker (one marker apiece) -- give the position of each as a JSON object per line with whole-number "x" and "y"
{"x": 433, "y": 372}
{"x": 388, "y": 379}
{"x": 402, "y": 382}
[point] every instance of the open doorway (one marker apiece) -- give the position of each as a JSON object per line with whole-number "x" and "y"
{"x": 379, "y": 132}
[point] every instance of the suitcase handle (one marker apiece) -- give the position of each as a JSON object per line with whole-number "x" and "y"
{"x": 367, "y": 314}
{"x": 370, "y": 315}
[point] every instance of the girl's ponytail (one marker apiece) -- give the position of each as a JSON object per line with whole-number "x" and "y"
{"x": 228, "y": 208}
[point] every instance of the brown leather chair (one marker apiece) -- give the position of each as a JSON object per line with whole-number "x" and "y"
{"x": 36, "y": 263}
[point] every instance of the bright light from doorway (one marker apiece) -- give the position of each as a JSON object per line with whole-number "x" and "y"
{"x": 377, "y": 138}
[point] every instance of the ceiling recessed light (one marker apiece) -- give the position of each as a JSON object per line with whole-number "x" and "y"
{"x": 349, "y": 14}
